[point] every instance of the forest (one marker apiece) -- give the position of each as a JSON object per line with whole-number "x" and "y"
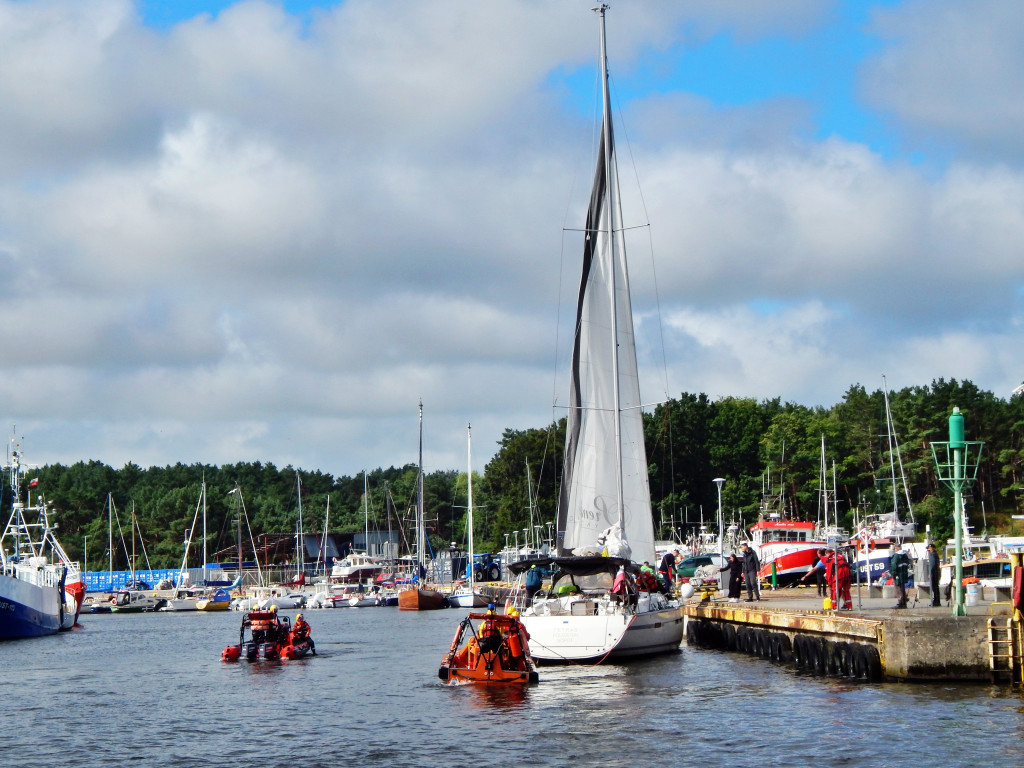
{"x": 768, "y": 452}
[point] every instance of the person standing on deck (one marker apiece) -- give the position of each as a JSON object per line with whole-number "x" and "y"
{"x": 933, "y": 573}
{"x": 534, "y": 580}
{"x": 667, "y": 569}
{"x": 751, "y": 565}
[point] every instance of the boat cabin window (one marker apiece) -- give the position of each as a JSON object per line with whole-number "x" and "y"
{"x": 588, "y": 582}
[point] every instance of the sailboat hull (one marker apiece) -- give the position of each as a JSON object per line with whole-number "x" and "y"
{"x": 466, "y": 598}
{"x": 574, "y": 638}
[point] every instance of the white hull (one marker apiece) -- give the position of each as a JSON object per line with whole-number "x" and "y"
{"x": 467, "y": 599}
{"x": 575, "y": 628}
{"x": 615, "y": 635}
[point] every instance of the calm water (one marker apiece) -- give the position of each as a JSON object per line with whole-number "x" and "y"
{"x": 150, "y": 690}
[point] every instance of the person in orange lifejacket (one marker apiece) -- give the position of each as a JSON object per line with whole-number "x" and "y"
{"x": 300, "y": 633}
{"x": 646, "y": 582}
{"x": 489, "y": 632}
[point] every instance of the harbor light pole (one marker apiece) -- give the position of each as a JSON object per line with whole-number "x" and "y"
{"x": 957, "y": 465}
{"x": 721, "y": 523}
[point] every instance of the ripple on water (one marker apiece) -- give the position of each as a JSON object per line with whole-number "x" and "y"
{"x": 151, "y": 690}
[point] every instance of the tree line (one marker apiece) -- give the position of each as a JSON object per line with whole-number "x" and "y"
{"x": 769, "y": 454}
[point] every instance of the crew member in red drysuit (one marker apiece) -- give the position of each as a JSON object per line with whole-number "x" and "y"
{"x": 837, "y": 574}
{"x": 300, "y": 632}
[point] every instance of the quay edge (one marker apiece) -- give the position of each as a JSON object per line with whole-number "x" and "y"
{"x": 916, "y": 645}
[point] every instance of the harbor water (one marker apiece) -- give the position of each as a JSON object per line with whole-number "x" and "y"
{"x": 151, "y": 690}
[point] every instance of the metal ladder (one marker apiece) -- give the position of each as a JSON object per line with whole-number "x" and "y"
{"x": 1003, "y": 650}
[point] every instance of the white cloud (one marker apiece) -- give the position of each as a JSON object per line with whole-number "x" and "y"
{"x": 251, "y": 237}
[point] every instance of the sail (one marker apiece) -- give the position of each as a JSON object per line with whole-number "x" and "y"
{"x": 605, "y": 485}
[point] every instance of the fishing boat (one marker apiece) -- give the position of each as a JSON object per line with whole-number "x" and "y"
{"x": 270, "y": 637}
{"x": 416, "y": 596}
{"x": 465, "y": 595}
{"x": 495, "y": 651}
{"x": 41, "y": 588}
{"x": 604, "y": 524}
{"x": 786, "y": 549}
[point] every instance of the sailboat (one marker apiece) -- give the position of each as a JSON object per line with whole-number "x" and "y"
{"x": 418, "y": 597}
{"x": 466, "y": 595}
{"x": 41, "y": 589}
{"x": 594, "y": 609}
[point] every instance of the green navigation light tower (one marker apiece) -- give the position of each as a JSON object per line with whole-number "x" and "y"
{"x": 957, "y": 465}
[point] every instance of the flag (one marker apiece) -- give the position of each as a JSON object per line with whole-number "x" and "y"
{"x": 34, "y": 482}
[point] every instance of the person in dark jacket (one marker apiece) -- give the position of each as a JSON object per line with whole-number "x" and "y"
{"x": 667, "y": 569}
{"x": 735, "y": 568}
{"x": 933, "y": 572}
{"x": 751, "y": 565}
{"x": 899, "y": 567}
{"x": 533, "y": 582}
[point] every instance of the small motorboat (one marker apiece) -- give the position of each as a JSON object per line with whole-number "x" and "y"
{"x": 270, "y": 637}
{"x": 495, "y": 651}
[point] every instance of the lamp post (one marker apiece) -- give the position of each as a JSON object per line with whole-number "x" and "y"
{"x": 721, "y": 523}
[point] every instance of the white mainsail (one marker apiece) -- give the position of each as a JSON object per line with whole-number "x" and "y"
{"x": 605, "y": 494}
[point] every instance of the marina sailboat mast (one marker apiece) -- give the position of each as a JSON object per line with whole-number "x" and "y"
{"x": 421, "y": 538}
{"x": 605, "y": 487}
{"x": 469, "y": 506}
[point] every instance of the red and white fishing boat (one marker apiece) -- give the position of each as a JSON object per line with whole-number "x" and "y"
{"x": 787, "y": 548}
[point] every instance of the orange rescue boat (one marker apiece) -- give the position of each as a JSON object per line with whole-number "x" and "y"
{"x": 496, "y": 651}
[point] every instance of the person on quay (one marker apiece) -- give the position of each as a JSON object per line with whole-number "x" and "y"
{"x": 820, "y": 571}
{"x": 300, "y": 632}
{"x": 837, "y": 574}
{"x": 751, "y": 565}
{"x": 899, "y": 567}
{"x": 933, "y": 573}
{"x": 820, "y": 581}
{"x": 735, "y": 568}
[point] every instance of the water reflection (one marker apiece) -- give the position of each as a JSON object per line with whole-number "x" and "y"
{"x": 494, "y": 696}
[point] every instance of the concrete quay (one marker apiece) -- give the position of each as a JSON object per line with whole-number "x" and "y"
{"x": 874, "y": 641}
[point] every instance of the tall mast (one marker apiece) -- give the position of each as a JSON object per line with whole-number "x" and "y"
{"x": 420, "y": 533}
{"x": 366, "y": 515}
{"x": 302, "y": 544}
{"x": 204, "y": 529}
{"x": 469, "y": 502}
{"x": 611, "y": 204}
{"x": 110, "y": 540}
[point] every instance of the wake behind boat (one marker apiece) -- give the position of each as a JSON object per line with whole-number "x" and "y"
{"x": 41, "y": 589}
{"x": 604, "y": 509}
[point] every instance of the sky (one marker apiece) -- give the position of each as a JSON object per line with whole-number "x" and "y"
{"x": 266, "y": 231}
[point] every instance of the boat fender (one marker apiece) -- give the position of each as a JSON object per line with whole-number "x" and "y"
{"x": 515, "y": 648}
